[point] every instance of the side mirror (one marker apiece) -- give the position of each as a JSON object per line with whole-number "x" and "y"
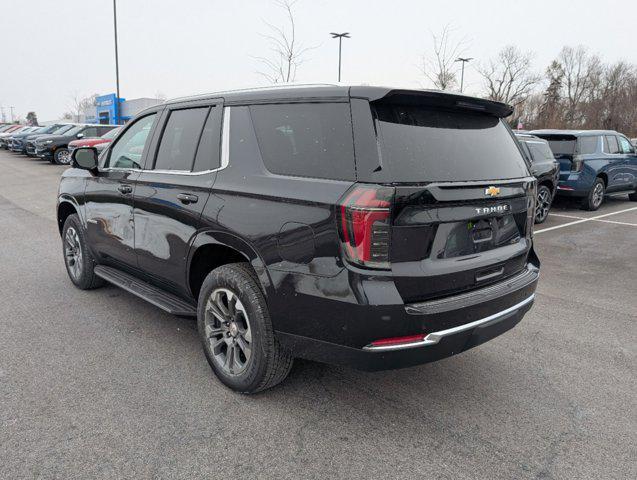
{"x": 85, "y": 158}
{"x": 79, "y": 135}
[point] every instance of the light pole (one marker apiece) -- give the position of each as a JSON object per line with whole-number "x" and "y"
{"x": 463, "y": 60}
{"x": 116, "y": 62}
{"x": 340, "y": 37}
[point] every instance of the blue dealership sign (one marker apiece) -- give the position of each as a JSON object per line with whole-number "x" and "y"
{"x": 107, "y": 109}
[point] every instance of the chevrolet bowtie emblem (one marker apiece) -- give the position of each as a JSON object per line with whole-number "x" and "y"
{"x": 492, "y": 191}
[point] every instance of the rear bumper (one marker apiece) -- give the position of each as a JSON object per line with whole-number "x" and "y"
{"x": 435, "y": 346}
{"x": 576, "y": 184}
{"x": 338, "y": 332}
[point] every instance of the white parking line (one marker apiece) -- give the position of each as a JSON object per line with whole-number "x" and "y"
{"x": 582, "y": 220}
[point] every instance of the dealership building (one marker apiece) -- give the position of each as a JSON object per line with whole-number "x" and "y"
{"x": 108, "y": 110}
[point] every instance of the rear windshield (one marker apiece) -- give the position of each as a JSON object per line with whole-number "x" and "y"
{"x": 562, "y": 146}
{"x": 425, "y": 144}
{"x": 540, "y": 150}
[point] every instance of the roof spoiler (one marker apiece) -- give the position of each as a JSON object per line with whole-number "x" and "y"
{"x": 435, "y": 98}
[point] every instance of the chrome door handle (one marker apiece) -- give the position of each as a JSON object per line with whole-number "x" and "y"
{"x": 125, "y": 189}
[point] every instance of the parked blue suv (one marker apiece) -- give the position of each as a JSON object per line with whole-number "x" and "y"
{"x": 593, "y": 163}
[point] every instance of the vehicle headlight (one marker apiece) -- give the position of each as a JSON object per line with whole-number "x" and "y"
{"x": 48, "y": 142}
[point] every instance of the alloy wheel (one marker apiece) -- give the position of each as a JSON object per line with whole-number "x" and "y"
{"x": 228, "y": 333}
{"x": 64, "y": 157}
{"x": 73, "y": 253}
{"x": 598, "y": 194}
{"x": 543, "y": 205}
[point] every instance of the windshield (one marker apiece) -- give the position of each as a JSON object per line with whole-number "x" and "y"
{"x": 111, "y": 134}
{"x": 73, "y": 131}
{"x": 427, "y": 144}
{"x": 62, "y": 129}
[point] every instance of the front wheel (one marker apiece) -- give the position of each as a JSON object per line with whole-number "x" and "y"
{"x": 543, "y": 204}
{"x": 62, "y": 156}
{"x": 595, "y": 196}
{"x": 78, "y": 260}
{"x": 235, "y": 329}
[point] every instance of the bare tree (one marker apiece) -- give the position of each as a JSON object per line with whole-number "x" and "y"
{"x": 32, "y": 119}
{"x": 510, "y": 78}
{"x": 440, "y": 68}
{"x": 161, "y": 96}
{"x": 582, "y": 72}
{"x": 80, "y": 104}
{"x": 551, "y": 110}
{"x": 286, "y": 52}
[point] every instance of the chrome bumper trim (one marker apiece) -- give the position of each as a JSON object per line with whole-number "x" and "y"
{"x": 435, "y": 337}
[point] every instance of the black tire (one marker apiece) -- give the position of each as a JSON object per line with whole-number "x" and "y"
{"x": 595, "y": 196}
{"x": 81, "y": 273}
{"x": 632, "y": 196}
{"x": 62, "y": 157}
{"x": 268, "y": 363}
{"x": 543, "y": 204}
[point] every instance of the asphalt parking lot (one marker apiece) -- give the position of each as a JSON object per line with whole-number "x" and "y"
{"x": 101, "y": 384}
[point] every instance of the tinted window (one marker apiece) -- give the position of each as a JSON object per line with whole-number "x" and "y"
{"x": 610, "y": 144}
{"x": 207, "y": 157}
{"x": 180, "y": 138}
{"x": 306, "y": 140}
{"x": 90, "y": 132}
{"x": 62, "y": 129}
{"x": 426, "y": 144}
{"x": 588, "y": 145}
{"x": 562, "y": 146}
{"x": 73, "y": 131}
{"x": 624, "y": 145}
{"x": 540, "y": 151}
{"x": 128, "y": 149}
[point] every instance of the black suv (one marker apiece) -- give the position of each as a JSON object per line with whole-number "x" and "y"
{"x": 359, "y": 226}
{"x": 544, "y": 168}
{"x": 55, "y": 147}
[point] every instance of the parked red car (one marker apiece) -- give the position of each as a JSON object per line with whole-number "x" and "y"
{"x": 94, "y": 141}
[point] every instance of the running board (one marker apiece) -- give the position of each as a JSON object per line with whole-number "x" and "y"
{"x": 154, "y": 295}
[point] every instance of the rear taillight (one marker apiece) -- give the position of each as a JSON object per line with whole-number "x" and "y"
{"x": 577, "y": 164}
{"x": 364, "y": 225}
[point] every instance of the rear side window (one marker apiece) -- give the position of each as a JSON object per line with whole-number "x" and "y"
{"x": 540, "y": 151}
{"x": 610, "y": 144}
{"x": 180, "y": 138}
{"x": 306, "y": 139}
{"x": 208, "y": 152}
{"x": 90, "y": 132}
{"x": 588, "y": 145}
{"x": 428, "y": 144}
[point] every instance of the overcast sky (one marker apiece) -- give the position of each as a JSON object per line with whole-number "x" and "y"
{"x": 54, "y": 49}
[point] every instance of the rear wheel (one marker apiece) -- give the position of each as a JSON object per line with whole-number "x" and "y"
{"x": 595, "y": 196}
{"x": 633, "y": 196}
{"x": 62, "y": 156}
{"x": 236, "y": 331}
{"x": 543, "y": 204}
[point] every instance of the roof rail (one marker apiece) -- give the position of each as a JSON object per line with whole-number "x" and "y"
{"x": 256, "y": 89}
